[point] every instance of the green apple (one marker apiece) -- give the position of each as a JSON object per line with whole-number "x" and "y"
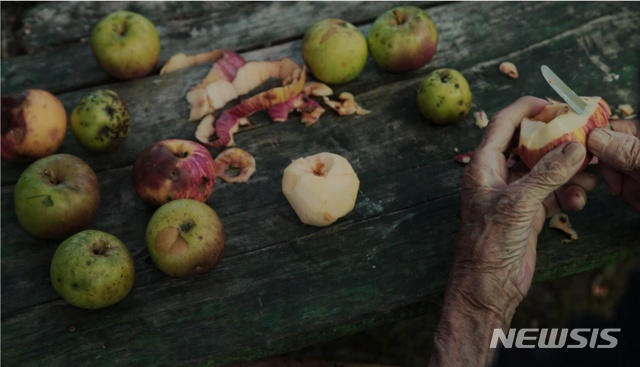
{"x": 402, "y": 39}
{"x": 126, "y": 45}
{"x": 334, "y": 50}
{"x": 56, "y": 196}
{"x": 92, "y": 269}
{"x": 185, "y": 237}
{"x": 444, "y": 96}
{"x": 100, "y": 121}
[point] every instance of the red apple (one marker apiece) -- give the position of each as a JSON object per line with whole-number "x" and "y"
{"x": 34, "y": 123}
{"x": 558, "y": 123}
{"x": 56, "y": 196}
{"x": 403, "y": 39}
{"x": 174, "y": 169}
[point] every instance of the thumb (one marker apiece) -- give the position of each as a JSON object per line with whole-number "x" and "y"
{"x": 618, "y": 150}
{"x": 555, "y": 169}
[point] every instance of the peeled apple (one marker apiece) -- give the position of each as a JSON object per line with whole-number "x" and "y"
{"x": 321, "y": 188}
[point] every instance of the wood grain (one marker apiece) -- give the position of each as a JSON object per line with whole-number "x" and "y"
{"x": 283, "y": 285}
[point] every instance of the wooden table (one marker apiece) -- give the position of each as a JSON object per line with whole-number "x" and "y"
{"x": 283, "y": 285}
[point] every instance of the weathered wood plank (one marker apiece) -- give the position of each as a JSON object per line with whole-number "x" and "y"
{"x": 57, "y": 23}
{"x": 239, "y": 27}
{"x": 312, "y": 281}
{"x": 282, "y": 285}
{"x": 161, "y": 114}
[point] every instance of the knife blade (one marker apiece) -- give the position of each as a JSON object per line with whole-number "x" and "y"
{"x": 563, "y": 90}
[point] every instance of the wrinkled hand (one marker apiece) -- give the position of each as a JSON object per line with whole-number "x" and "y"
{"x": 618, "y": 153}
{"x": 504, "y": 211}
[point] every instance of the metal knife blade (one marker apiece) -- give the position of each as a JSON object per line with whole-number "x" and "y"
{"x": 567, "y": 94}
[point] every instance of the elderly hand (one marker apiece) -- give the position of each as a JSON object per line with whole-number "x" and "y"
{"x": 618, "y": 153}
{"x": 502, "y": 214}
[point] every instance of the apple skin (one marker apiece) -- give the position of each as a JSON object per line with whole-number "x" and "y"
{"x": 403, "y": 39}
{"x": 100, "y": 121}
{"x": 56, "y": 196}
{"x": 92, "y": 269}
{"x": 320, "y": 188}
{"x": 334, "y": 50}
{"x": 126, "y": 45}
{"x": 34, "y": 124}
{"x": 444, "y": 96}
{"x": 174, "y": 169}
{"x": 185, "y": 237}
{"x": 556, "y": 124}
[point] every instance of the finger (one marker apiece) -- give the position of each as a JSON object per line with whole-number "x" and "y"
{"x": 572, "y": 196}
{"x": 500, "y": 131}
{"x": 555, "y": 169}
{"x": 488, "y": 165}
{"x": 629, "y": 127}
{"x": 612, "y": 177}
{"x": 618, "y": 150}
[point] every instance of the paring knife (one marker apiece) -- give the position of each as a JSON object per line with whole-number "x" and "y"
{"x": 566, "y": 93}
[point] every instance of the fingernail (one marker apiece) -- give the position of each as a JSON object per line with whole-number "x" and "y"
{"x": 574, "y": 152}
{"x": 598, "y": 139}
{"x": 582, "y": 199}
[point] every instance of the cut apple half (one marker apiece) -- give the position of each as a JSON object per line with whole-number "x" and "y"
{"x": 556, "y": 124}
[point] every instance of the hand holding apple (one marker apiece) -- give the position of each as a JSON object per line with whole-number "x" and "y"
{"x": 34, "y": 123}
{"x": 174, "y": 169}
{"x": 403, "y": 39}
{"x": 126, "y": 45}
{"x": 185, "y": 237}
{"x": 556, "y": 124}
{"x": 334, "y": 50}
{"x": 56, "y": 196}
{"x": 100, "y": 121}
{"x": 92, "y": 269}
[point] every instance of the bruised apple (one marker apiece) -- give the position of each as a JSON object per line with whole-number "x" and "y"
{"x": 34, "y": 123}
{"x": 558, "y": 123}
{"x": 185, "y": 237}
{"x": 321, "y": 188}
{"x": 174, "y": 169}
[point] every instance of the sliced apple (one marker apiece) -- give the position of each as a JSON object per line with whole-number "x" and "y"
{"x": 321, "y": 188}
{"x": 556, "y": 124}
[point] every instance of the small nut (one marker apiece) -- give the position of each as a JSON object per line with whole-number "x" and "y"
{"x": 509, "y": 69}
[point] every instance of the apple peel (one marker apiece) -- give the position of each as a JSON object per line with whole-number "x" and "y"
{"x": 481, "y": 119}
{"x": 556, "y": 124}
{"x": 509, "y": 69}
{"x": 346, "y": 106}
{"x": 561, "y": 221}
{"x": 235, "y": 158}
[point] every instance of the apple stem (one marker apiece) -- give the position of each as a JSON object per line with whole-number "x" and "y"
{"x": 400, "y": 18}
{"x": 99, "y": 248}
{"x": 51, "y": 177}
